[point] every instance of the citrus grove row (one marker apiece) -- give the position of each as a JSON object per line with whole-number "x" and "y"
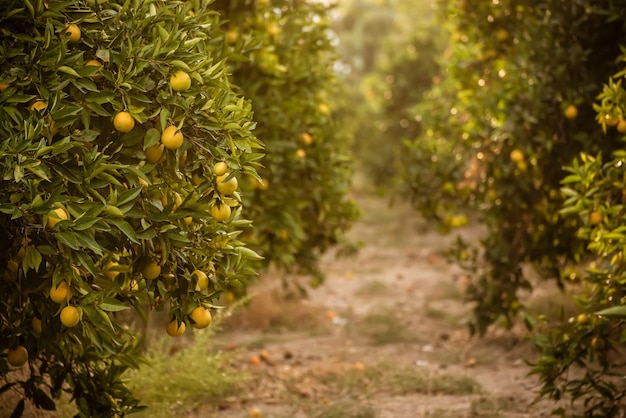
{"x": 155, "y": 155}
{"x": 521, "y": 125}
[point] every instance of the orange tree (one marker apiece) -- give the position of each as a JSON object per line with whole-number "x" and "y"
{"x": 582, "y": 355}
{"x": 299, "y": 207}
{"x": 513, "y": 107}
{"x": 115, "y": 121}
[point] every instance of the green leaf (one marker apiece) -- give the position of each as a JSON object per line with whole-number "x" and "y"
{"x": 32, "y": 259}
{"x": 125, "y": 227}
{"x": 617, "y": 312}
{"x": 67, "y": 70}
{"x": 113, "y": 305}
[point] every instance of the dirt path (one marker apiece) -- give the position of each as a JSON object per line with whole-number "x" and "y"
{"x": 383, "y": 337}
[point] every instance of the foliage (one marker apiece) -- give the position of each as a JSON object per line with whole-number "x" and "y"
{"x": 497, "y": 135}
{"x": 589, "y": 346}
{"x": 516, "y": 106}
{"x": 84, "y": 205}
{"x": 300, "y": 208}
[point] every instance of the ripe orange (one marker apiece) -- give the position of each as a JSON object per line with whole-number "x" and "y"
{"x": 180, "y": 81}
{"x": 109, "y": 269}
{"x": 38, "y": 105}
{"x": 123, "y": 122}
{"x": 595, "y": 218}
{"x": 4, "y": 86}
{"x": 94, "y": 63}
{"x": 151, "y": 271}
{"x": 55, "y": 216}
{"x": 18, "y": 356}
{"x": 226, "y": 187}
{"x": 254, "y": 413}
{"x": 232, "y": 36}
{"x": 61, "y": 292}
{"x": 306, "y": 138}
{"x": 323, "y": 108}
{"x": 154, "y": 153}
{"x": 201, "y": 317}
{"x": 36, "y": 324}
{"x": 172, "y": 138}
{"x": 202, "y": 280}
{"x": 621, "y": 126}
{"x": 582, "y": 318}
{"x": 220, "y": 168}
{"x": 517, "y": 156}
{"x": 220, "y": 213}
{"x": 165, "y": 199}
{"x": 301, "y": 153}
{"x": 570, "y": 112}
{"x": 174, "y": 329}
{"x": 69, "y": 316}
{"x": 72, "y": 32}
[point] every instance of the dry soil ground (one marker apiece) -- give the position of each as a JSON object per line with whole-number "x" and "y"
{"x": 383, "y": 337}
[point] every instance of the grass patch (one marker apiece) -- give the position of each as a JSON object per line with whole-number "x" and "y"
{"x": 371, "y": 288}
{"x": 176, "y": 382}
{"x": 347, "y": 410}
{"x": 395, "y": 380}
{"x": 384, "y": 327}
{"x": 407, "y": 381}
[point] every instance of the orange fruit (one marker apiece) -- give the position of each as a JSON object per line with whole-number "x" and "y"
{"x": 174, "y": 329}
{"x": 202, "y": 280}
{"x": 306, "y": 138}
{"x": 38, "y": 105}
{"x": 36, "y": 324}
{"x": 94, "y": 63}
{"x": 165, "y": 199}
{"x": 180, "y": 81}
{"x": 201, "y": 317}
{"x": 123, "y": 122}
{"x": 18, "y": 356}
{"x": 73, "y": 32}
{"x": 109, "y": 269}
{"x": 301, "y": 153}
{"x": 55, "y": 216}
{"x": 570, "y": 112}
{"x": 69, "y": 316}
{"x": 171, "y": 138}
{"x": 154, "y": 153}
{"x": 151, "y": 271}
{"x": 621, "y": 126}
{"x": 221, "y": 212}
{"x": 61, "y": 292}
{"x": 595, "y": 218}
{"x": 4, "y": 86}
{"x": 226, "y": 187}
{"x": 220, "y": 168}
